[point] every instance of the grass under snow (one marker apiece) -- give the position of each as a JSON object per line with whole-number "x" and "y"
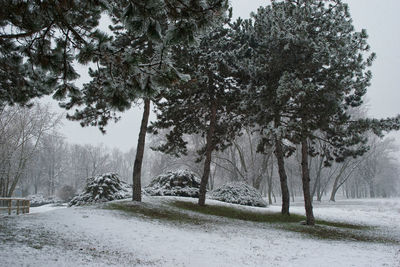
{"x": 189, "y": 213}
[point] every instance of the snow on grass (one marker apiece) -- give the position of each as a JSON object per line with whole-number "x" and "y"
{"x": 93, "y": 236}
{"x": 47, "y": 208}
{"x": 384, "y": 213}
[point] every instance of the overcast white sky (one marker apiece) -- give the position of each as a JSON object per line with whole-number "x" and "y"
{"x": 382, "y": 22}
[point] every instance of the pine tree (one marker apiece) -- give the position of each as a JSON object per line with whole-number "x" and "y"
{"x": 207, "y": 104}
{"x": 38, "y": 40}
{"x": 311, "y": 67}
{"x": 135, "y": 64}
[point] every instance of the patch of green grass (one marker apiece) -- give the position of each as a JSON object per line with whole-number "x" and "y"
{"x": 258, "y": 216}
{"x": 332, "y": 233}
{"x": 330, "y": 230}
{"x": 155, "y": 212}
{"x": 237, "y": 213}
{"x": 35, "y": 237}
{"x": 343, "y": 225}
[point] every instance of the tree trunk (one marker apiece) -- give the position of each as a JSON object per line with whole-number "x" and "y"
{"x": 282, "y": 173}
{"x": 371, "y": 189}
{"x": 269, "y": 195}
{"x": 137, "y": 168}
{"x": 2, "y": 187}
{"x": 36, "y": 184}
{"x": 235, "y": 175}
{"x": 269, "y": 177}
{"x": 257, "y": 182}
{"x": 283, "y": 177}
{"x": 209, "y": 150}
{"x": 317, "y": 183}
{"x": 319, "y": 194}
{"x": 306, "y": 183}
{"x": 336, "y": 184}
{"x": 212, "y": 178}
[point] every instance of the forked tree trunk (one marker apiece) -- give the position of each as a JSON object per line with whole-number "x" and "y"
{"x": 137, "y": 168}
{"x": 306, "y": 183}
{"x": 209, "y": 150}
{"x": 336, "y": 184}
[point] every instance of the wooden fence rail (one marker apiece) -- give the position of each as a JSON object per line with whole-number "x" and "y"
{"x": 21, "y": 204}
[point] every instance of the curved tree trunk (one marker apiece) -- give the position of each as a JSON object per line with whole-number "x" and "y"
{"x": 337, "y": 184}
{"x": 334, "y": 189}
{"x": 306, "y": 183}
{"x": 282, "y": 172}
{"x": 209, "y": 150}
{"x": 137, "y": 168}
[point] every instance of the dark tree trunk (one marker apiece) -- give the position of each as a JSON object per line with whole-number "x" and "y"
{"x": 282, "y": 172}
{"x": 283, "y": 177}
{"x": 137, "y": 168}
{"x": 208, "y": 153}
{"x": 306, "y": 183}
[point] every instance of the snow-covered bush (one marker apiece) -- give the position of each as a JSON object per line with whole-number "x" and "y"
{"x": 182, "y": 183}
{"x": 238, "y": 193}
{"x": 40, "y": 200}
{"x": 102, "y": 188}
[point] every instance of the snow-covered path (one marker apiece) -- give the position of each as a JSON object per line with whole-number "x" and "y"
{"x": 98, "y": 237}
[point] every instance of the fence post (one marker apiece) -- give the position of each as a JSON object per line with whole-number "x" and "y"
{"x": 28, "y": 202}
{"x": 9, "y": 206}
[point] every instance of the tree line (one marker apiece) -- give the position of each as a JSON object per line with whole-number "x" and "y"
{"x": 37, "y": 159}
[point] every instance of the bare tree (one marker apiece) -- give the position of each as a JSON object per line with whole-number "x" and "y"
{"x": 21, "y": 131}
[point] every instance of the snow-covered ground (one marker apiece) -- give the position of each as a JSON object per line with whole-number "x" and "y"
{"x": 90, "y": 236}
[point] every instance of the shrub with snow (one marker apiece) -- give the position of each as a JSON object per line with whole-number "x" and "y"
{"x": 182, "y": 183}
{"x": 102, "y": 188}
{"x": 238, "y": 193}
{"x": 40, "y": 200}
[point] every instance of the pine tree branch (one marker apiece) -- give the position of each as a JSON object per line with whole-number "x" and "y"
{"x": 19, "y": 35}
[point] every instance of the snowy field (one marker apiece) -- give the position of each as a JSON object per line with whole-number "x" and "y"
{"x": 93, "y": 236}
